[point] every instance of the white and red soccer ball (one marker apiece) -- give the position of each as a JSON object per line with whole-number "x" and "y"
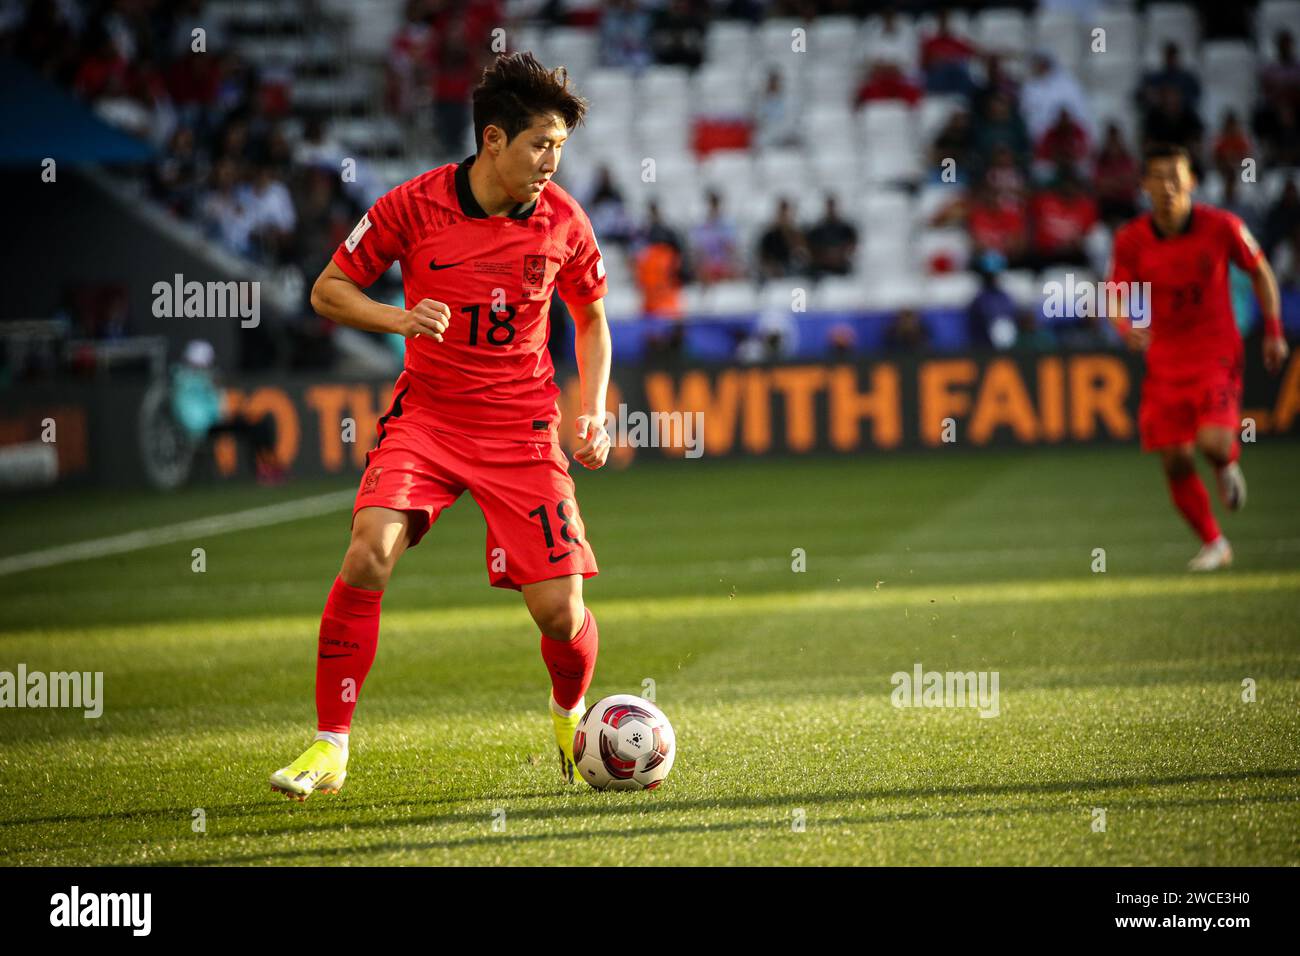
{"x": 624, "y": 742}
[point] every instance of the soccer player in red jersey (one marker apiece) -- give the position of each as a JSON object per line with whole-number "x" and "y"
{"x": 1191, "y": 398}
{"x": 482, "y": 244}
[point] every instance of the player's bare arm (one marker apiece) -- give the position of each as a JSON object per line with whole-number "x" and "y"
{"x": 1270, "y": 303}
{"x": 336, "y": 297}
{"x": 593, "y": 351}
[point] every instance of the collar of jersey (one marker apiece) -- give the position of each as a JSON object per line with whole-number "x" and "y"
{"x": 469, "y": 205}
{"x": 1187, "y": 226}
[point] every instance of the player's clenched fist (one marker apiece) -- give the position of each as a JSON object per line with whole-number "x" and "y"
{"x": 1275, "y": 353}
{"x": 595, "y": 448}
{"x": 429, "y": 317}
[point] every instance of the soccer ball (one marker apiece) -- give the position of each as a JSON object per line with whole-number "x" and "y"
{"x": 624, "y": 743}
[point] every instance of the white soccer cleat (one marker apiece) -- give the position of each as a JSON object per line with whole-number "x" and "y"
{"x": 1213, "y": 556}
{"x": 1232, "y": 486}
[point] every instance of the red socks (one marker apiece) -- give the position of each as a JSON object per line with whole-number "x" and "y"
{"x": 349, "y": 634}
{"x": 1193, "y": 501}
{"x": 571, "y": 663}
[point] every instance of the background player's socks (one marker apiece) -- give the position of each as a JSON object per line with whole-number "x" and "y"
{"x": 571, "y": 663}
{"x": 1232, "y": 486}
{"x": 349, "y": 634}
{"x": 1193, "y": 501}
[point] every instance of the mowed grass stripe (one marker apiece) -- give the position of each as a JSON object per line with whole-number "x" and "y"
{"x": 1089, "y": 587}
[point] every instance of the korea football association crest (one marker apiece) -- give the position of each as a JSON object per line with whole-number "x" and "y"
{"x": 534, "y": 272}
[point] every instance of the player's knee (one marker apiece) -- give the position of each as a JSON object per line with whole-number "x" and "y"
{"x": 1179, "y": 466}
{"x": 367, "y": 564}
{"x": 559, "y": 618}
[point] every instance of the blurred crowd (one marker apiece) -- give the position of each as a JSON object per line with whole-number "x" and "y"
{"x": 1037, "y": 179}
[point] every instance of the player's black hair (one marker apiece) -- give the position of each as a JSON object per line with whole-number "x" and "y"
{"x": 516, "y": 89}
{"x": 1165, "y": 151}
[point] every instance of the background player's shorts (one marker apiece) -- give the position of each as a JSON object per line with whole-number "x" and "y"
{"x": 523, "y": 489}
{"x": 1172, "y": 413}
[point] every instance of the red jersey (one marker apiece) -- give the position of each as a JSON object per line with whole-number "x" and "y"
{"x": 491, "y": 375}
{"x": 1193, "y": 330}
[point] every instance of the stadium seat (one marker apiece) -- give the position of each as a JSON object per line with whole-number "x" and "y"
{"x": 839, "y": 294}
{"x": 1272, "y": 16}
{"x": 948, "y": 246}
{"x": 833, "y": 40}
{"x": 953, "y": 291}
{"x": 870, "y": 43}
{"x": 934, "y": 112}
{"x": 1061, "y": 34}
{"x": 889, "y": 141}
{"x": 734, "y": 297}
{"x": 723, "y": 89}
{"x": 1119, "y": 67}
{"x": 776, "y": 37}
{"x": 1023, "y": 287}
{"x": 730, "y": 41}
{"x": 1003, "y": 29}
{"x": 1171, "y": 23}
{"x": 665, "y": 89}
{"x": 893, "y": 291}
{"x": 574, "y": 48}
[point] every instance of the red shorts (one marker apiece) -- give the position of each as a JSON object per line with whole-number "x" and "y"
{"x": 523, "y": 488}
{"x": 1171, "y": 413}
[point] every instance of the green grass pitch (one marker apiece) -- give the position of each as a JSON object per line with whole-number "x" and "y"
{"x": 1120, "y": 692}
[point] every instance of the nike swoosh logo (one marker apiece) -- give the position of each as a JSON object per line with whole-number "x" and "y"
{"x": 335, "y": 655}
{"x": 559, "y": 557}
{"x": 433, "y": 264}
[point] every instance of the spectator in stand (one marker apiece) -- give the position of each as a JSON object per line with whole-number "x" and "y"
{"x": 1000, "y": 126}
{"x": 1279, "y": 130}
{"x": 998, "y": 222}
{"x": 1005, "y": 175}
{"x": 271, "y": 216}
{"x": 456, "y": 71}
{"x": 1115, "y": 180}
{"x": 659, "y": 277}
{"x": 677, "y": 35}
{"x": 1046, "y": 92}
{"x": 777, "y": 119}
{"x": 624, "y": 27}
{"x": 997, "y": 82}
{"x": 1062, "y": 214}
{"x": 1279, "y": 80}
{"x": 1232, "y": 146}
{"x": 991, "y": 316}
{"x": 945, "y": 59}
{"x": 1282, "y": 231}
{"x": 222, "y": 211}
{"x": 907, "y": 334}
{"x": 952, "y": 143}
{"x": 658, "y": 231}
{"x": 713, "y": 245}
{"x": 832, "y": 243}
{"x": 410, "y": 55}
{"x": 1171, "y": 121}
{"x": 886, "y": 81}
{"x": 179, "y": 176}
{"x": 1236, "y": 203}
{"x": 1064, "y": 144}
{"x": 607, "y": 211}
{"x": 782, "y": 250}
{"x": 1172, "y": 73}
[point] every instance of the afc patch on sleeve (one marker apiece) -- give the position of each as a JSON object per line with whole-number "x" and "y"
{"x": 600, "y": 263}
{"x": 354, "y": 240}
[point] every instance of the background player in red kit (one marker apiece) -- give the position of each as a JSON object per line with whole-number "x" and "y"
{"x": 1191, "y": 396}
{"x": 482, "y": 244}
